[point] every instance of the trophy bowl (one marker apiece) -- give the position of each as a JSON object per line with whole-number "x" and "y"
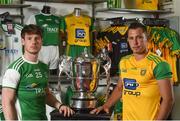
{"x": 85, "y": 78}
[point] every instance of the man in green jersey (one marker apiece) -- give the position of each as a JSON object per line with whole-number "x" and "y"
{"x": 145, "y": 81}
{"x": 25, "y": 91}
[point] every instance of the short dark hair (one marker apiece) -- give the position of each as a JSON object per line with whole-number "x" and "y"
{"x": 31, "y": 29}
{"x": 137, "y": 25}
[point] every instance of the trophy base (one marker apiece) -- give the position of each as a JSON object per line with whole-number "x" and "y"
{"x": 86, "y": 102}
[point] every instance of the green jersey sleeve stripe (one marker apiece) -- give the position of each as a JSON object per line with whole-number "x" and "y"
{"x": 158, "y": 58}
{"x": 19, "y": 59}
{"x": 152, "y": 59}
{"x": 16, "y": 65}
{"x": 155, "y": 58}
{"x": 20, "y": 65}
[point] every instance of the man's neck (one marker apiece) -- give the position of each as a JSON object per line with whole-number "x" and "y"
{"x": 31, "y": 57}
{"x": 140, "y": 56}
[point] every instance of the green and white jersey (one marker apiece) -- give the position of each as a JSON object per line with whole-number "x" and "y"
{"x": 50, "y": 25}
{"x": 29, "y": 79}
{"x": 10, "y": 46}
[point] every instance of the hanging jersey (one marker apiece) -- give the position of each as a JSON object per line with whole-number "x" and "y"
{"x": 147, "y": 4}
{"x": 164, "y": 41}
{"x": 50, "y": 25}
{"x": 30, "y": 80}
{"x": 120, "y": 46}
{"x": 141, "y": 97}
{"x": 78, "y": 29}
{"x": 11, "y": 47}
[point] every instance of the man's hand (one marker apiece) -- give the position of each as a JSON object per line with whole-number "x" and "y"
{"x": 99, "y": 109}
{"x": 67, "y": 111}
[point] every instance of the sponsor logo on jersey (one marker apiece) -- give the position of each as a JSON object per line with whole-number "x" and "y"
{"x": 143, "y": 72}
{"x": 134, "y": 93}
{"x": 130, "y": 84}
{"x": 124, "y": 45}
{"x": 52, "y": 30}
{"x": 130, "y": 87}
{"x": 11, "y": 51}
{"x": 80, "y": 33}
{"x": 29, "y": 75}
{"x": 31, "y": 86}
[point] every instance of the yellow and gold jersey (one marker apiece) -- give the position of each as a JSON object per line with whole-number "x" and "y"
{"x": 147, "y": 4}
{"x": 78, "y": 29}
{"x": 141, "y": 97}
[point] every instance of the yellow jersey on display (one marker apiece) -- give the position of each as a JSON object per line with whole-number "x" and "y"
{"x": 147, "y": 4}
{"x": 141, "y": 96}
{"x": 78, "y": 29}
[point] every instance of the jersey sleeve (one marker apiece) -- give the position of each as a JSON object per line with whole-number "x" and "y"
{"x": 93, "y": 27}
{"x": 162, "y": 71}
{"x": 11, "y": 79}
{"x": 62, "y": 24}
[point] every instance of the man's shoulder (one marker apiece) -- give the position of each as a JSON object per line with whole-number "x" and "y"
{"x": 43, "y": 64}
{"x": 16, "y": 64}
{"x": 155, "y": 58}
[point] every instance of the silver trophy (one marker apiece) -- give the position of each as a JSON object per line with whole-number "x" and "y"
{"x": 84, "y": 72}
{"x": 85, "y": 81}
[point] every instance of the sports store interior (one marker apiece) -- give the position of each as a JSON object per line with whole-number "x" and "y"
{"x": 107, "y": 24}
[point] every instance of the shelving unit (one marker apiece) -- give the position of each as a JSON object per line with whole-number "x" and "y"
{"x": 156, "y": 13}
{"x": 16, "y": 6}
{"x": 70, "y": 1}
{"x": 91, "y": 2}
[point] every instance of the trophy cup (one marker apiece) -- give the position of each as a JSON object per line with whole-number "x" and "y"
{"x": 85, "y": 78}
{"x": 84, "y": 71}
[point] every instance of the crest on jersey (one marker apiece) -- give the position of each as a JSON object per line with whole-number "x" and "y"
{"x": 143, "y": 72}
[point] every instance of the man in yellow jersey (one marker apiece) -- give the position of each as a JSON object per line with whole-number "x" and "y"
{"x": 145, "y": 81}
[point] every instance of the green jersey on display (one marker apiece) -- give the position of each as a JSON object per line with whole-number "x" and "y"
{"x": 51, "y": 28}
{"x": 30, "y": 80}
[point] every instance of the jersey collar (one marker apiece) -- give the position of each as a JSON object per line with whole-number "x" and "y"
{"x": 30, "y": 61}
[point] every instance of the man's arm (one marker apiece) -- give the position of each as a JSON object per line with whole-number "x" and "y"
{"x": 53, "y": 102}
{"x": 8, "y": 103}
{"x": 116, "y": 94}
{"x": 167, "y": 95}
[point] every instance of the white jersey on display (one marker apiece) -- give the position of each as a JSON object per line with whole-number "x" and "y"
{"x": 10, "y": 46}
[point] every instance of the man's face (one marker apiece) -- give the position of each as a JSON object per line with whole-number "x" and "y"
{"x": 137, "y": 40}
{"x": 32, "y": 43}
